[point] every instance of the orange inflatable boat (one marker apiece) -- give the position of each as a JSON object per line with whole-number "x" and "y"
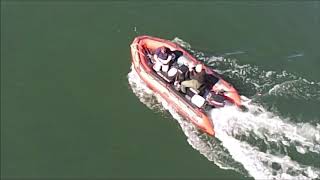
{"x": 193, "y": 104}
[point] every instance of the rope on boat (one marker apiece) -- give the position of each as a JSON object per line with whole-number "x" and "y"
{"x": 148, "y": 54}
{"x": 133, "y": 46}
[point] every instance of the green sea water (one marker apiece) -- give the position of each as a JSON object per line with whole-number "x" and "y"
{"x": 68, "y": 110}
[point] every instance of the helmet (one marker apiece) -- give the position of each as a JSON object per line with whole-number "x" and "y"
{"x": 199, "y": 68}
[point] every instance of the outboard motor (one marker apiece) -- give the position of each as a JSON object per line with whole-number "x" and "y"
{"x": 215, "y": 99}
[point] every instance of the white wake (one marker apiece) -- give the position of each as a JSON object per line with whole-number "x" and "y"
{"x": 250, "y": 137}
{"x": 232, "y": 151}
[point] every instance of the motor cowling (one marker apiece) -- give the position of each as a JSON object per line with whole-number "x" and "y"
{"x": 215, "y": 99}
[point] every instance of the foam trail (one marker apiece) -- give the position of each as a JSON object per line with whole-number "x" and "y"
{"x": 266, "y": 125}
{"x": 234, "y": 128}
{"x": 295, "y": 55}
{"x": 233, "y": 53}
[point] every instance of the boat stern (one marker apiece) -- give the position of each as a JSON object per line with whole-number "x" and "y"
{"x": 228, "y": 91}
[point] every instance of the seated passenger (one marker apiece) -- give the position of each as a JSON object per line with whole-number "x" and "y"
{"x": 163, "y": 56}
{"x": 197, "y": 78}
{"x": 181, "y": 76}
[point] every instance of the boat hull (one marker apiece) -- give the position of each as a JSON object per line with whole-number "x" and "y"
{"x": 196, "y": 115}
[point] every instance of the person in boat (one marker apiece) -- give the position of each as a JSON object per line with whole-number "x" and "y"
{"x": 163, "y": 56}
{"x": 197, "y": 78}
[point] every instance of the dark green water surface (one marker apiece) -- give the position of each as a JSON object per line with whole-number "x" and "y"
{"x": 67, "y": 109}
